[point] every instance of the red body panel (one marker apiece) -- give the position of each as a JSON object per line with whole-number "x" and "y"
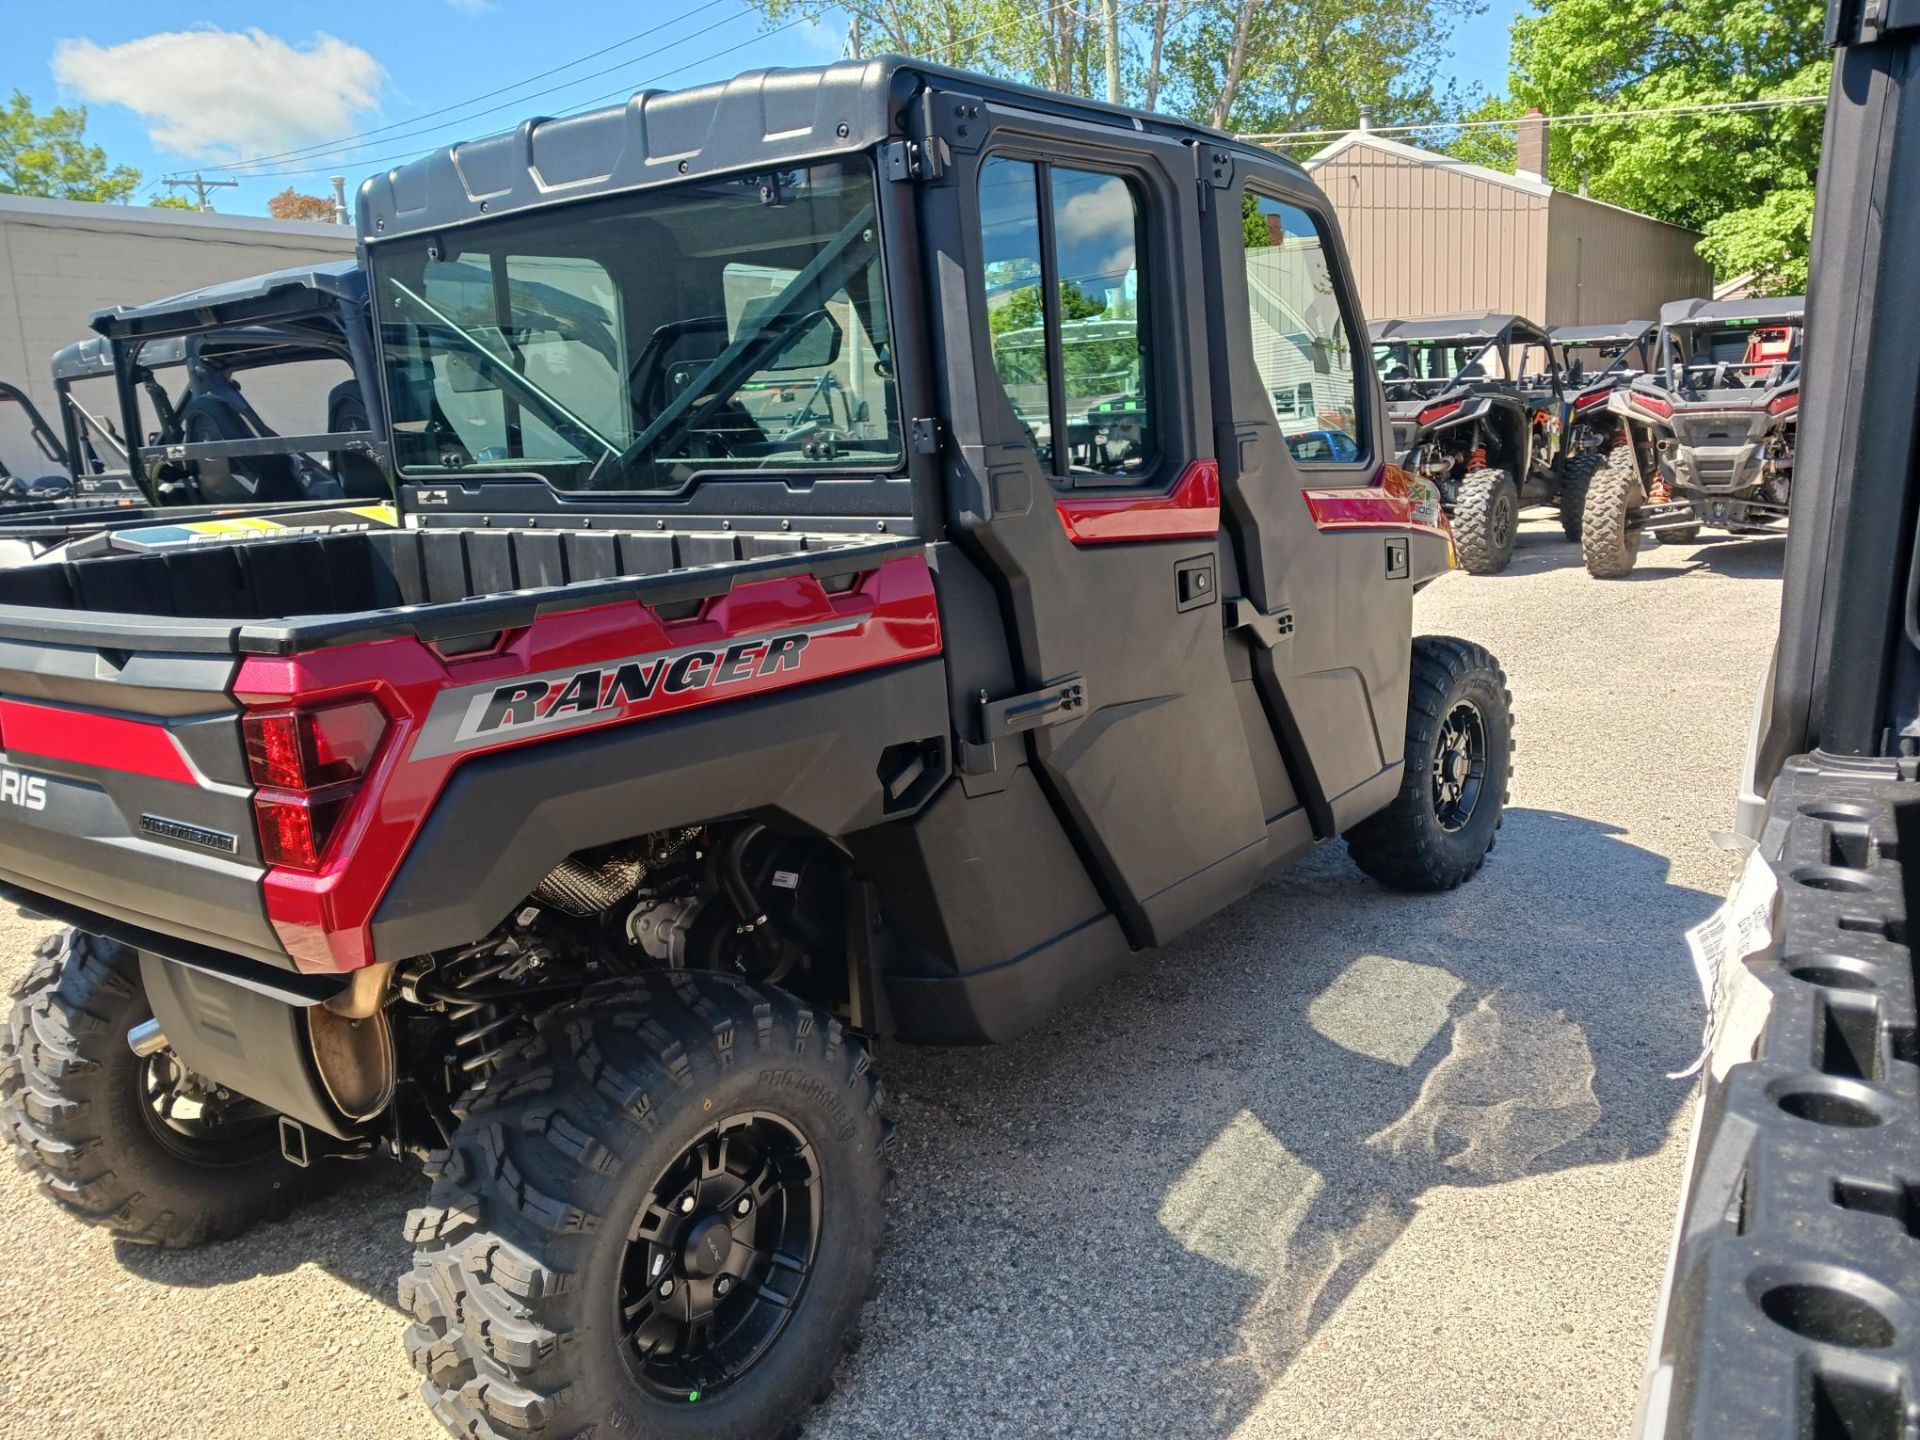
{"x": 324, "y": 918}
{"x": 1389, "y": 502}
{"x": 1190, "y": 511}
{"x": 84, "y": 737}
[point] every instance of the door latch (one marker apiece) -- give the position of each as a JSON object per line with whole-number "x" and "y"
{"x": 1053, "y": 704}
{"x": 1268, "y": 627}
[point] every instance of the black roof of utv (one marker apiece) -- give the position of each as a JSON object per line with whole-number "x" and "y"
{"x": 1621, "y": 332}
{"x": 1786, "y": 310}
{"x": 1488, "y": 327}
{"x": 278, "y": 295}
{"x": 760, "y": 119}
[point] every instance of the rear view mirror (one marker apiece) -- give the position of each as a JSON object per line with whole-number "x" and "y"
{"x": 813, "y": 342}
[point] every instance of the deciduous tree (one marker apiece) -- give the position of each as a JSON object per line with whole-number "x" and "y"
{"x": 290, "y": 204}
{"x": 48, "y": 156}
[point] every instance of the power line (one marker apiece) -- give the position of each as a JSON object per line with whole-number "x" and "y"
{"x": 200, "y": 185}
{"x": 338, "y": 155}
{"x": 631, "y": 87}
{"x": 329, "y": 147}
{"x": 1594, "y": 117}
{"x": 624, "y": 90}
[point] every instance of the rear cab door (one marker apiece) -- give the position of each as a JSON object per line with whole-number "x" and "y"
{"x": 1331, "y": 536}
{"x": 1080, "y": 477}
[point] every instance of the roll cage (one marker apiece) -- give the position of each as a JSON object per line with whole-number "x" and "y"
{"x": 1711, "y": 345}
{"x": 214, "y": 334}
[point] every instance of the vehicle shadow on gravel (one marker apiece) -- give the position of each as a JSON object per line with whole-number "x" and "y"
{"x": 349, "y": 1226}
{"x": 1129, "y": 1222}
{"x": 1542, "y": 550}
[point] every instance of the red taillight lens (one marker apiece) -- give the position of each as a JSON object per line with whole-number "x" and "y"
{"x": 1652, "y": 404}
{"x": 307, "y": 763}
{"x": 1439, "y": 412}
{"x": 294, "y": 829}
{"x": 306, "y": 749}
{"x": 1780, "y": 404}
{"x": 1590, "y": 399}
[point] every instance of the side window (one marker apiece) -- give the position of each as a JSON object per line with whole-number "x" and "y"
{"x": 1301, "y": 344}
{"x": 1076, "y": 370}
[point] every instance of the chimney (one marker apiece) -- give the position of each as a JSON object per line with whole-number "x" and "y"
{"x": 340, "y": 216}
{"x": 1530, "y": 155}
{"x": 1366, "y": 118}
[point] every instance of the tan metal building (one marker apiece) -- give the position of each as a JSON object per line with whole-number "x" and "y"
{"x": 1431, "y": 235}
{"x": 61, "y": 260}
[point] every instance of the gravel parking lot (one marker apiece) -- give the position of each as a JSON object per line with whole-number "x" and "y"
{"x": 1340, "y": 1163}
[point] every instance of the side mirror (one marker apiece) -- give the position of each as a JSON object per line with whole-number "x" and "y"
{"x": 814, "y": 343}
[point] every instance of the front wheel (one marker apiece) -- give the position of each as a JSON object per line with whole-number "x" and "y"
{"x": 1486, "y": 519}
{"x": 1575, "y": 476}
{"x": 137, "y": 1145}
{"x": 1609, "y": 541}
{"x": 660, "y": 1218}
{"x": 1459, "y": 758}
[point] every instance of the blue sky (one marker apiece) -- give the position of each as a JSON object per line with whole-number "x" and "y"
{"x": 173, "y": 88}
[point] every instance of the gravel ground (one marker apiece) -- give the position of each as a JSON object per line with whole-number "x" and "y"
{"x": 1340, "y": 1163}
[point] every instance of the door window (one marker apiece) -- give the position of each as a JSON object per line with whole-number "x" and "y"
{"x": 1066, "y": 315}
{"x": 1302, "y": 344}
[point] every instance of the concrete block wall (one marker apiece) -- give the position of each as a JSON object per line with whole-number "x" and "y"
{"x": 61, "y": 261}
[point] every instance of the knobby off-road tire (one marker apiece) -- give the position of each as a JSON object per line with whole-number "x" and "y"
{"x": 1607, "y": 544}
{"x": 1486, "y": 519}
{"x": 74, "y": 1103}
{"x": 1574, "y": 480}
{"x": 1417, "y": 842}
{"x": 522, "y": 1284}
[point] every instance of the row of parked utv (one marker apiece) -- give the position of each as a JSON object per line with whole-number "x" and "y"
{"x": 1628, "y": 430}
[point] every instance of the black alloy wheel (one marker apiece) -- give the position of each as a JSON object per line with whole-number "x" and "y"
{"x": 719, "y": 1256}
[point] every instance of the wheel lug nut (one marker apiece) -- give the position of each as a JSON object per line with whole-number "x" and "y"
{"x": 722, "y": 1285}
{"x": 666, "y": 1287}
{"x": 659, "y": 1264}
{"x": 686, "y": 1204}
{"x": 743, "y": 1207}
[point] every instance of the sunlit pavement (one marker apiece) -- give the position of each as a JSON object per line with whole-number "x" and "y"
{"x": 1338, "y": 1163}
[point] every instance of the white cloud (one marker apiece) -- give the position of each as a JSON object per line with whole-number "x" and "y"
{"x": 212, "y": 94}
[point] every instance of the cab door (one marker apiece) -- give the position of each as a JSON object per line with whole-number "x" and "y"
{"x": 1080, "y": 477}
{"x": 1324, "y": 526}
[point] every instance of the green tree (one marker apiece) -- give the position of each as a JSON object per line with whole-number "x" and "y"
{"x": 1283, "y": 64}
{"x": 1744, "y": 178}
{"x": 48, "y": 156}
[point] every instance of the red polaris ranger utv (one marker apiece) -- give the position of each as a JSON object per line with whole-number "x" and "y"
{"x": 772, "y": 660}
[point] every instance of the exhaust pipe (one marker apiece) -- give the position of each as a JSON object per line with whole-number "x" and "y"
{"x": 145, "y": 1039}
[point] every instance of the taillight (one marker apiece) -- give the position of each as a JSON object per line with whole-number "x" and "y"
{"x": 1652, "y": 404}
{"x": 1439, "y": 412}
{"x": 307, "y": 764}
{"x": 1590, "y": 399}
{"x": 1780, "y": 404}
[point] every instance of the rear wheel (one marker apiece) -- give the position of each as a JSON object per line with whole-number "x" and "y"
{"x": 135, "y": 1144}
{"x": 1486, "y": 518}
{"x": 1608, "y": 542}
{"x": 1459, "y": 758}
{"x": 1575, "y": 477}
{"x": 660, "y": 1218}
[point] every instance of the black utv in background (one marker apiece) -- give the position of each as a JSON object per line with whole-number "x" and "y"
{"x": 174, "y": 372}
{"x": 826, "y": 611}
{"x": 1792, "y": 1304}
{"x": 1706, "y": 439}
{"x": 48, "y": 477}
{"x": 1476, "y": 407}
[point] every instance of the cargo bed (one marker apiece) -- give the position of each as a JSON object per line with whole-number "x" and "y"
{"x": 282, "y": 595}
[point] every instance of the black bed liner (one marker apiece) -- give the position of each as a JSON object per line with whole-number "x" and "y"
{"x": 285, "y": 594}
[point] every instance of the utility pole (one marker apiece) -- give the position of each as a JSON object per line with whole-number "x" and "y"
{"x": 200, "y": 185}
{"x": 853, "y": 38}
{"x": 1110, "y": 11}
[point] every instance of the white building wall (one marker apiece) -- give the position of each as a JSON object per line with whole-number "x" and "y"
{"x": 60, "y": 261}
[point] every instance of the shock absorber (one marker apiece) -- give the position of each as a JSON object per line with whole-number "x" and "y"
{"x": 481, "y": 1025}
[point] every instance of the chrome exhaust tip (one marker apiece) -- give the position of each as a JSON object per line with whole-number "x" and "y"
{"x": 145, "y": 1039}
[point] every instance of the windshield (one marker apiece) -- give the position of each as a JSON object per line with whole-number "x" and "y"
{"x": 737, "y": 324}
{"x": 1434, "y": 364}
{"x": 1734, "y": 356}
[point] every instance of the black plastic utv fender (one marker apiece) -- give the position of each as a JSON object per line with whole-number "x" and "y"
{"x": 835, "y": 758}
